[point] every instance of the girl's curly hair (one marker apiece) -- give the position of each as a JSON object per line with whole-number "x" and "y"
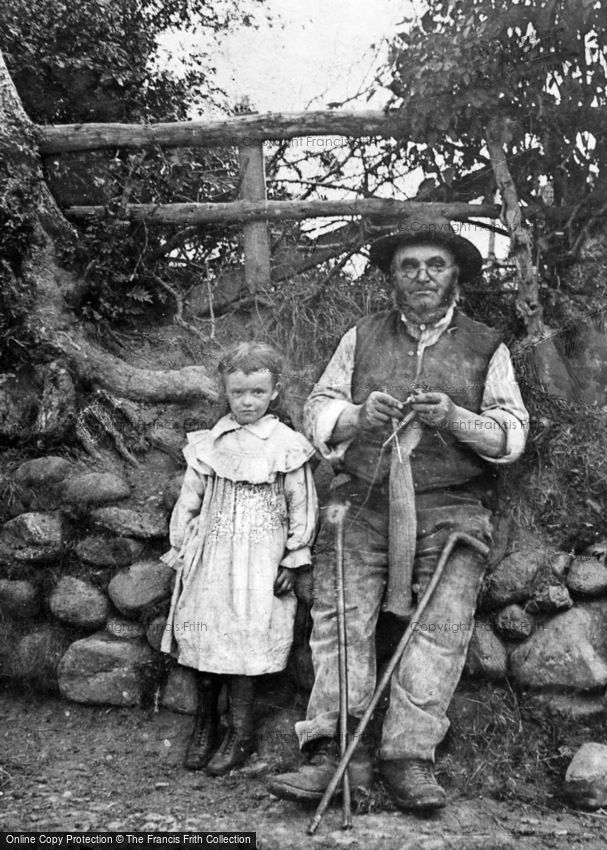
{"x": 251, "y": 357}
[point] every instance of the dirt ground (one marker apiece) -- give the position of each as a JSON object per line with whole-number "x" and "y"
{"x": 72, "y": 767}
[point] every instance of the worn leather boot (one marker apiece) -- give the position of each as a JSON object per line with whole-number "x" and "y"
{"x": 203, "y": 740}
{"x": 412, "y": 784}
{"x": 237, "y": 743}
{"x": 310, "y": 781}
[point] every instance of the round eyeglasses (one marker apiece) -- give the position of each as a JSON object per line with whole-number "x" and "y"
{"x": 411, "y": 268}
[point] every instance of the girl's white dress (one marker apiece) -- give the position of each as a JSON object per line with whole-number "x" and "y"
{"x": 247, "y": 505}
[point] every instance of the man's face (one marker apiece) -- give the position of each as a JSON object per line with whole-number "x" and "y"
{"x": 424, "y": 277}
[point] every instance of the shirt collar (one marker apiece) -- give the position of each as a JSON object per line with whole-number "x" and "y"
{"x": 435, "y": 329}
{"x": 262, "y": 428}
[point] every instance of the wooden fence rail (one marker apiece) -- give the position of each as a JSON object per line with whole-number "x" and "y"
{"x": 311, "y": 127}
{"x": 250, "y": 133}
{"x": 243, "y": 211}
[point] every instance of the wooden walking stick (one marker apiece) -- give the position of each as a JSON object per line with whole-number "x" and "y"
{"x": 336, "y": 514}
{"x": 456, "y": 537}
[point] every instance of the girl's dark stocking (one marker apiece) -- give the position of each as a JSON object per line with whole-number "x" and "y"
{"x": 238, "y": 743}
{"x": 203, "y": 740}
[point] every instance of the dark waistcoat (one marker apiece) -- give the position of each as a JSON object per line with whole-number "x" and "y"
{"x": 386, "y": 359}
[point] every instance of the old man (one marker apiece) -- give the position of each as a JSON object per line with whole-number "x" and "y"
{"x": 417, "y": 409}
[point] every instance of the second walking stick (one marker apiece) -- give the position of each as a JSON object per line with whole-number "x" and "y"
{"x": 337, "y": 515}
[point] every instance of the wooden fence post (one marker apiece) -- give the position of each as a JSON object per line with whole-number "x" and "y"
{"x": 256, "y": 239}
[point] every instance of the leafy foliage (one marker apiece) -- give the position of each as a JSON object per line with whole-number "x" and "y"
{"x": 539, "y": 70}
{"x": 97, "y": 60}
{"x": 121, "y": 263}
{"x": 535, "y": 70}
{"x": 17, "y": 231}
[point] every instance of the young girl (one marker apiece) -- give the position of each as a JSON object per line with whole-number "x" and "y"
{"x": 243, "y": 524}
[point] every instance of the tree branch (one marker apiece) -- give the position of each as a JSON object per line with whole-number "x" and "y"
{"x": 178, "y": 317}
{"x": 528, "y": 303}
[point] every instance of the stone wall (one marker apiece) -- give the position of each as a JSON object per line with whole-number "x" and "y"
{"x": 542, "y": 622}
{"x": 84, "y": 596}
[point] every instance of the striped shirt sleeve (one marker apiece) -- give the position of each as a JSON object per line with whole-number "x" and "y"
{"x": 502, "y": 402}
{"x": 331, "y": 395}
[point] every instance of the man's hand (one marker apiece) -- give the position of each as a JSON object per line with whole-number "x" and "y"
{"x": 378, "y": 409}
{"x": 285, "y": 581}
{"x": 434, "y": 409}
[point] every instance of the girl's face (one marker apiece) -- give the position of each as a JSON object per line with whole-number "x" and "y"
{"x": 249, "y": 396}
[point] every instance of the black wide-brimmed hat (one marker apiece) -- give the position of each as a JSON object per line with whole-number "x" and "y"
{"x": 438, "y": 231}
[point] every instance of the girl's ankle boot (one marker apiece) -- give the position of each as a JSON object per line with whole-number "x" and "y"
{"x": 203, "y": 741}
{"x": 237, "y": 744}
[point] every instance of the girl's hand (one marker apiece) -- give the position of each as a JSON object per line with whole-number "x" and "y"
{"x": 285, "y": 581}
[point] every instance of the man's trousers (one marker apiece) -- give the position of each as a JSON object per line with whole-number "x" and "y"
{"x": 423, "y": 683}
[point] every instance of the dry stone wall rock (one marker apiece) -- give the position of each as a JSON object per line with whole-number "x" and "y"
{"x": 567, "y": 652}
{"x": 103, "y": 670}
{"x": 586, "y": 777}
{"x": 108, "y": 551}
{"x": 512, "y": 579}
{"x": 95, "y": 488}
{"x": 560, "y": 564}
{"x": 143, "y": 584}
{"x": 38, "y": 653}
{"x": 514, "y": 623}
{"x": 19, "y": 598}
{"x": 587, "y": 575}
{"x": 43, "y": 471}
{"x": 129, "y": 522}
{"x": 41, "y": 481}
{"x": 79, "y": 603}
{"x": 117, "y": 664}
{"x": 486, "y": 653}
{"x": 550, "y": 598}
{"x": 32, "y": 537}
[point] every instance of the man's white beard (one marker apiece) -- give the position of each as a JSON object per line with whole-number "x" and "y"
{"x": 430, "y": 316}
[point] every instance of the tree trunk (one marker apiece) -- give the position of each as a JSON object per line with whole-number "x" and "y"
{"x": 24, "y": 193}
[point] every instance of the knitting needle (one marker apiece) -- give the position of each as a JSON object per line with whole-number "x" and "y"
{"x": 398, "y": 428}
{"x": 396, "y": 440}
